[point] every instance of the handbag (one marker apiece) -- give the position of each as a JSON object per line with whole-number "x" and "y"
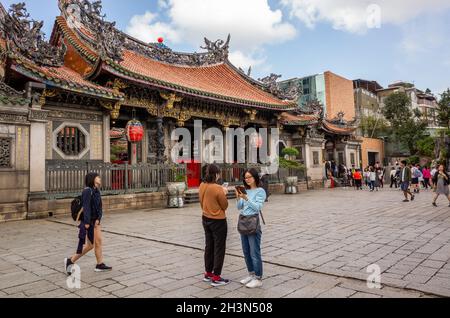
{"x": 250, "y": 225}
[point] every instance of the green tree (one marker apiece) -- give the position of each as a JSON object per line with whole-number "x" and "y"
{"x": 444, "y": 109}
{"x": 372, "y": 126}
{"x": 406, "y": 125}
{"x": 425, "y": 146}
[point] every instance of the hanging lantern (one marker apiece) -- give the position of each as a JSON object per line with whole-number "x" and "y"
{"x": 257, "y": 140}
{"x": 135, "y": 131}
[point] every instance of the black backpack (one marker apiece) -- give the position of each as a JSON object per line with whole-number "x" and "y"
{"x": 76, "y": 208}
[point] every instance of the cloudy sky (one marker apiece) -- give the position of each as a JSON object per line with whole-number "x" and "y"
{"x": 383, "y": 40}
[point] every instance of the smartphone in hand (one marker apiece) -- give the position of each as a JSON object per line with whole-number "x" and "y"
{"x": 241, "y": 189}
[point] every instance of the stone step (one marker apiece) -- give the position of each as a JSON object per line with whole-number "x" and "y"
{"x": 193, "y": 197}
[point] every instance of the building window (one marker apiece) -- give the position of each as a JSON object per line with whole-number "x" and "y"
{"x": 71, "y": 141}
{"x": 316, "y": 158}
{"x": 352, "y": 159}
{"x": 5, "y": 152}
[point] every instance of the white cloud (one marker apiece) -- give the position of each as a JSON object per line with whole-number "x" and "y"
{"x": 353, "y": 15}
{"x": 244, "y": 61}
{"x": 145, "y": 28}
{"x": 163, "y": 4}
{"x": 251, "y": 23}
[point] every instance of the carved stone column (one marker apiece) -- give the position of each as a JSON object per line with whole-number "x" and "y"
{"x": 161, "y": 147}
{"x": 106, "y": 138}
{"x": 38, "y": 120}
{"x": 36, "y": 197}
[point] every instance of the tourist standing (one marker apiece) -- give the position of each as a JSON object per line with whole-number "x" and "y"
{"x": 367, "y": 177}
{"x": 214, "y": 203}
{"x": 90, "y": 235}
{"x": 394, "y": 178}
{"x": 442, "y": 181}
{"x": 357, "y": 177}
{"x": 426, "y": 177}
{"x": 250, "y": 204}
{"x": 372, "y": 179}
{"x": 405, "y": 180}
{"x": 416, "y": 174}
{"x": 433, "y": 173}
{"x": 380, "y": 175}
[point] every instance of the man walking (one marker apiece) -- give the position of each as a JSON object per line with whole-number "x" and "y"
{"x": 405, "y": 179}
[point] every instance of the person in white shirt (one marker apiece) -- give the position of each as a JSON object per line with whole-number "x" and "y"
{"x": 394, "y": 178}
{"x": 372, "y": 179}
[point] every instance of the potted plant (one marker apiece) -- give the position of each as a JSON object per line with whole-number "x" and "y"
{"x": 176, "y": 190}
{"x": 288, "y": 162}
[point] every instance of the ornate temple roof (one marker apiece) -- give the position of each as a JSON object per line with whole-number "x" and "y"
{"x": 290, "y": 119}
{"x": 338, "y": 129}
{"x": 313, "y": 115}
{"x": 11, "y": 97}
{"x": 22, "y": 42}
{"x": 208, "y": 74}
{"x": 61, "y": 77}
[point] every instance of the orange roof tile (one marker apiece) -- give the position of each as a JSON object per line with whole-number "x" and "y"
{"x": 292, "y": 119}
{"x": 62, "y": 77}
{"x": 75, "y": 41}
{"x": 220, "y": 80}
{"x": 332, "y": 128}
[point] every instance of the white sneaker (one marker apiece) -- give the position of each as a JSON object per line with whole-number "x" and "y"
{"x": 255, "y": 283}
{"x": 247, "y": 280}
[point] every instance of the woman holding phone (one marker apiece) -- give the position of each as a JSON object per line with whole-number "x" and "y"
{"x": 251, "y": 198}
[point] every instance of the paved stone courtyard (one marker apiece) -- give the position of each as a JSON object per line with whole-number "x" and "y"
{"x": 316, "y": 244}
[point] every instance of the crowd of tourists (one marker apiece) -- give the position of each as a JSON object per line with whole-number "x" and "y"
{"x": 250, "y": 199}
{"x": 409, "y": 178}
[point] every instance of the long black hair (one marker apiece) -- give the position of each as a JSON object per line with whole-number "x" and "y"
{"x": 255, "y": 175}
{"x": 90, "y": 179}
{"x": 211, "y": 173}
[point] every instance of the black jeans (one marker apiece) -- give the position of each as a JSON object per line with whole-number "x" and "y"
{"x": 394, "y": 182}
{"x": 216, "y": 238}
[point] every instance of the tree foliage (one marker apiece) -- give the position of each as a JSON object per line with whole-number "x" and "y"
{"x": 405, "y": 124}
{"x": 444, "y": 109}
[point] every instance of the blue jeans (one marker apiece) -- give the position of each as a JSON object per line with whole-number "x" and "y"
{"x": 251, "y": 246}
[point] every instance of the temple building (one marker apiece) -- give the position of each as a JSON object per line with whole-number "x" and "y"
{"x": 66, "y": 105}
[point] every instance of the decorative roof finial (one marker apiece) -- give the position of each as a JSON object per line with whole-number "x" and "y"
{"x": 25, "y": 37}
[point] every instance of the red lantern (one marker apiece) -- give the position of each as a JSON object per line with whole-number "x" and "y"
{"x": 135, "y": 131}
{"x": 257, "y": 140}
{"x": 160, "y": 40}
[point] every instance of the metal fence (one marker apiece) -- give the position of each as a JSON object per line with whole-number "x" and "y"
{"x": 233, "y": 173}
{"x": 67, "y": 179}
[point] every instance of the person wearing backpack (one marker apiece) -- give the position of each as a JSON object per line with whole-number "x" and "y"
{"x": 250, "y": 202}
{"x": 416, "y": 175}
{"x": 90, "y": 234}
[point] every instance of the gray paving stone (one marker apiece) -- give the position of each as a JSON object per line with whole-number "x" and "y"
{"x": 333, "y": 234}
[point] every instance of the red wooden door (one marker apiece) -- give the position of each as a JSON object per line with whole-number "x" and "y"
{"x": 194, "y": 172}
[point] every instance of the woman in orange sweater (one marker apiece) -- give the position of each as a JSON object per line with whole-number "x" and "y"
{"x": 214, "y": 203}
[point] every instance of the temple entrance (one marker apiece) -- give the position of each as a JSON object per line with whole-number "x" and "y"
{"x": 120, "y": 147}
